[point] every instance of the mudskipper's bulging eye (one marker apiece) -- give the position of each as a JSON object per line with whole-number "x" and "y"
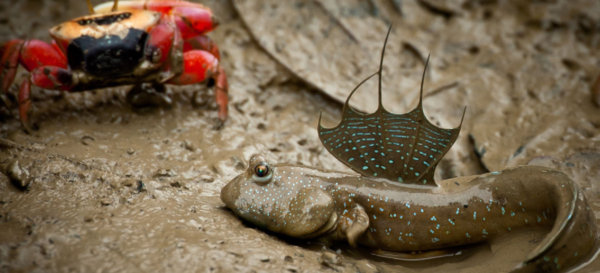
{"x": 262, "y": 172}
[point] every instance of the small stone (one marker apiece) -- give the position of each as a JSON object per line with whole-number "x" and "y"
{"x": 106, "y": 201}
{"x": 206, "y": 178}
{"x": 330, "y": 259}
{"x": 87, "y": 140}
{"x": 140, "y": 186}
{"x": 18, "y": 176}
{"x": 129, "y": 182}
{"x": 177, "y": 184}
{"x": 302, "y": 142}
{"x": 135, "y": 184}
{"x": 88, "y": 219}
{"x": 130, "y": 151}
{"x": 115, "y": 183}
{"x": 189, "y": 146}
{"x": 288, "y": 259}
{"x": 166, "y": 172}
{"x": 264, "y": 258}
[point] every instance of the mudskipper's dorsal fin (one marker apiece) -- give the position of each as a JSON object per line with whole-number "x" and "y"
{"x": 404, "y": 148}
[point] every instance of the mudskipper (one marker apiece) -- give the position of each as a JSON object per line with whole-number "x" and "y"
{"x": 394, "y": 204}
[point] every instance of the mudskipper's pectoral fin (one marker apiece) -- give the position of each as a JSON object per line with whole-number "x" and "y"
{"x": 404, "y": 148}
{"x": 310, "y": 214}
{"x": 354, "y": 223}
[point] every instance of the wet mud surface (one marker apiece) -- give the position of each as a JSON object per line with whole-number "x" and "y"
{"x": 103, "y": 186}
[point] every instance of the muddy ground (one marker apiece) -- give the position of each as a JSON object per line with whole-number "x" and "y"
{"x": 114, "y": 188}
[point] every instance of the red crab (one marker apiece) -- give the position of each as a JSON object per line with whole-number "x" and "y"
{"x": 134, "y": 42}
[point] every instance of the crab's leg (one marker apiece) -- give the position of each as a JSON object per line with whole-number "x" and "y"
{"x": 192, "y": 19}
{"x": 164, "y": 48}
{"x": 31, "y": 54}
{"x": 200, "y": 65}
{"x": 9, "y": 54}
{"x": 47, "y": 77}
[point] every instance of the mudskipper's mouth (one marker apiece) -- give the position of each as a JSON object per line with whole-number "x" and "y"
{"x": 227, "y": 195}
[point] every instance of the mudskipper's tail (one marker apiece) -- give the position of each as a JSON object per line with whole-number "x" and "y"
{"x": 573, "y": 241}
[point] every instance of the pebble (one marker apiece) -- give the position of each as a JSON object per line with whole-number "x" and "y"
{"x": 330, "y": 259}
{"x": 206, "y": 178}
{"x": 177, "y": 184}
{"x": 106, "y": 201}
{"x": 87, "y": 140}
{"x": 264, "y": 259}
{"x": 18, "y": 176}
{"x": 140, "y": 186}
{"x": 129, "y": 182}
{"x": 130, "y": 151}
{"x": 166, "y": 172}
{"x": 189, "y": 146}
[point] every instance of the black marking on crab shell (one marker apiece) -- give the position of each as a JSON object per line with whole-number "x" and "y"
{"x": 108, "y": 56}
{"x": 105, "y": 20}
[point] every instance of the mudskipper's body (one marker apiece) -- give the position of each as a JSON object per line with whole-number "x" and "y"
{"x": 395, "y": 205}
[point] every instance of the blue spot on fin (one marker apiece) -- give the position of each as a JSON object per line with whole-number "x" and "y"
{"x": 419, "y": 145}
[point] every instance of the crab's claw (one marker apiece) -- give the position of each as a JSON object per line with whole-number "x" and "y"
{"x": 199, "y": 66}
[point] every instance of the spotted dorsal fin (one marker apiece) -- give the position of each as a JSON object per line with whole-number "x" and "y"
{"x": 404, "y": 148}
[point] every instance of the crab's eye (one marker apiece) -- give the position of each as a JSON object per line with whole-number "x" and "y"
{"x": 262, "y": 172}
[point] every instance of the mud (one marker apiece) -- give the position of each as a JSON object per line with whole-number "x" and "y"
{"x": 102, "y": 186}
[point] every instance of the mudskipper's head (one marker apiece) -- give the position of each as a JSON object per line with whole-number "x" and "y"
{"x": 281, "y": 198}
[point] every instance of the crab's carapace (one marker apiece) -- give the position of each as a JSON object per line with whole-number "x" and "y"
{"x": 126, "y": 42}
